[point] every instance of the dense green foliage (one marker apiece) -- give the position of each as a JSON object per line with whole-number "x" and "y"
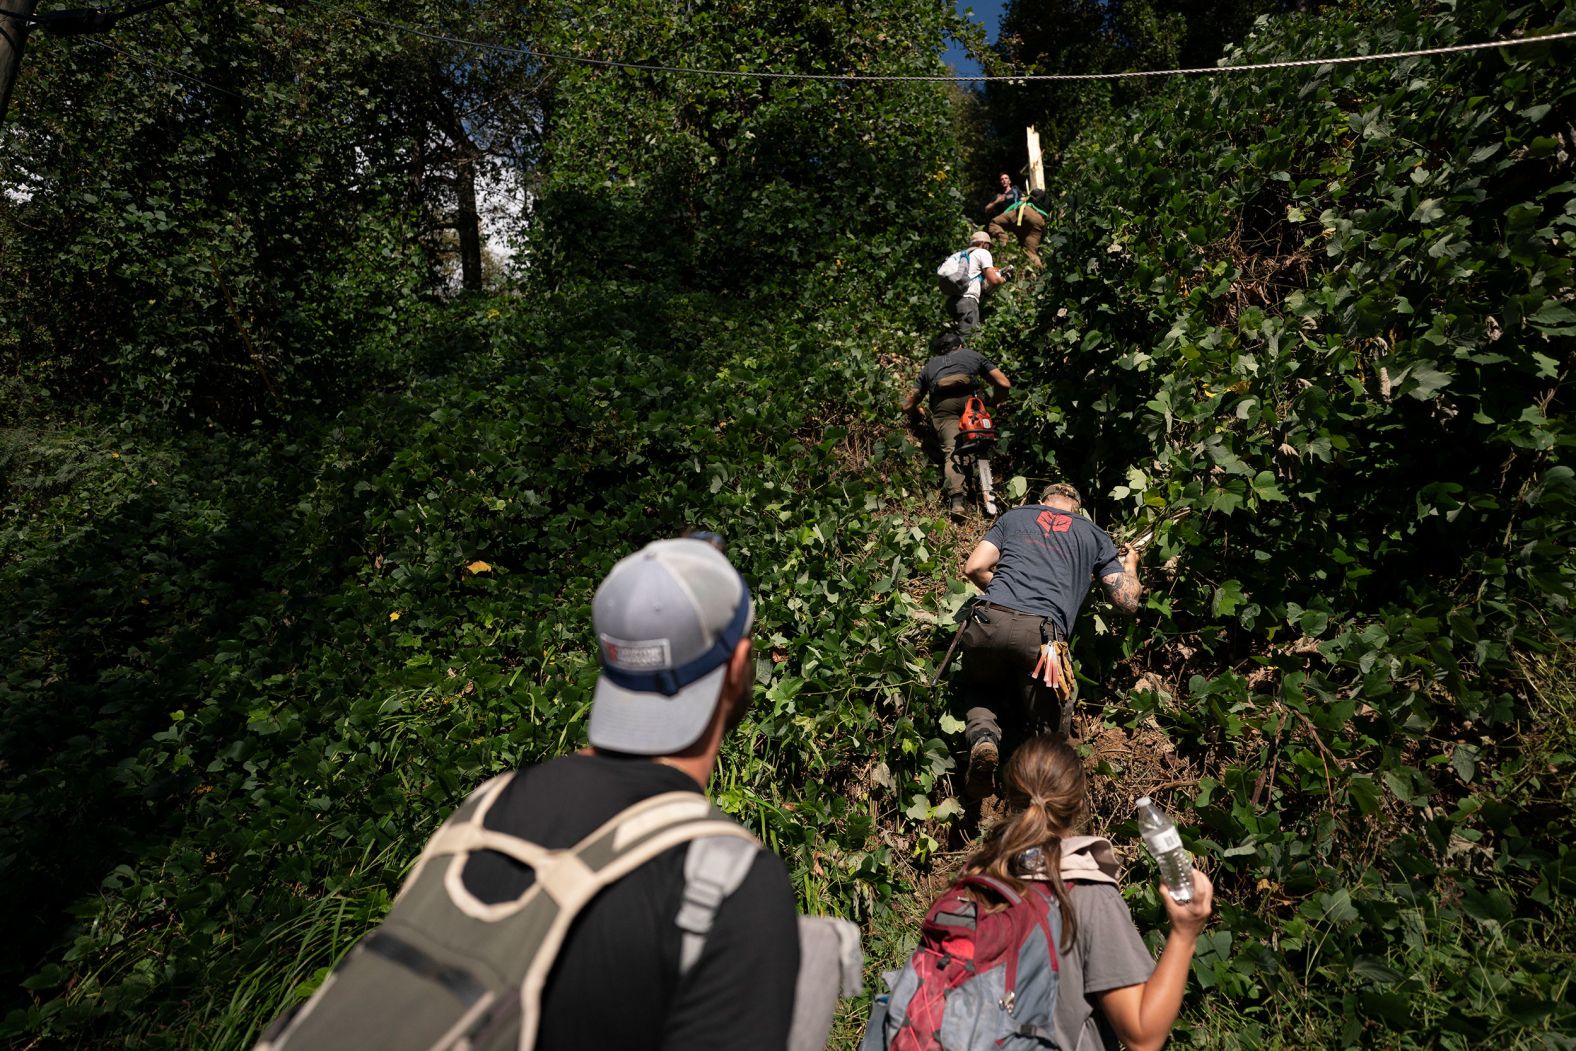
{"x": 217, "y": 214}
{"x": 1094, "y": 36}
{"x": 259, "y": 741}
{"x": 252, "y": 670}
{"x": 722, "y": 183}
{"x": 1327, "y": 314}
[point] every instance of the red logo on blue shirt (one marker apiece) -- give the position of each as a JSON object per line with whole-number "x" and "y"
{"x": 1050, "y": 521}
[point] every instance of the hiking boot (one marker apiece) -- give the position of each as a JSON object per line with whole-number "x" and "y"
{"x": 981, "y": 778}
{"x": 958, "y": 508}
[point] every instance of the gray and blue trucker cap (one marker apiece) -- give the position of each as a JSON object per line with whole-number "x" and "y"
{"x": 667, "y": 619}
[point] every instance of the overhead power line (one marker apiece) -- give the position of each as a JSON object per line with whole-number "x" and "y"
{"x": 656, "y": 67}
{"x": 77, "y": 21}
{"x": 151, "y": 63}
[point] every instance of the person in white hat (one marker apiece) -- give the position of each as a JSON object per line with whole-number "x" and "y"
{"x": 963, "y": 311}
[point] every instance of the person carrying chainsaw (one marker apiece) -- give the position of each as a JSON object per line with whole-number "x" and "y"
{"x": 597, "y": 899}
{"x": 1054, "y": 958}
{"x": 949, "y": 379}
{"x": 1034, "y": 567}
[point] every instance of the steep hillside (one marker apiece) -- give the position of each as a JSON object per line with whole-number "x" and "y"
{"x": 237, "y": 703}
{"x": 1325, "y": 313}
{"x": 250, "y": 670}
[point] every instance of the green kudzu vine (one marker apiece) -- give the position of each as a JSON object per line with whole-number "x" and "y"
{"x": 1328, "y": 313}
{"x": 1313, "y": 328}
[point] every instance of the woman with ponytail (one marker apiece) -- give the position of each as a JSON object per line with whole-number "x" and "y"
{"x": 1109, "y": 988}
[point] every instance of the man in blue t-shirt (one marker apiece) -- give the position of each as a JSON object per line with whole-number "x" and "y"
{"x": 1034, "y": 566}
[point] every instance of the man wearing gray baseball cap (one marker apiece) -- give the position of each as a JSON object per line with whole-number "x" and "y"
{"x": 599, "y": 899}
{"x": 672, "y": 624}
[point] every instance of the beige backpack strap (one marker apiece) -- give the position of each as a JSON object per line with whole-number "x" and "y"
{"x": 476, "y": 805}
{"x": 619, "y": 847}
{"x": 1089, "y": 859}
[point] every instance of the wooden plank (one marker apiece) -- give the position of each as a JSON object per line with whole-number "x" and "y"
{"x": 1036, "y": 163}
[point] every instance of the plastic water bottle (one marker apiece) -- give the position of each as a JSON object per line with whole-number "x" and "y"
{"x": 1163, "y": 841}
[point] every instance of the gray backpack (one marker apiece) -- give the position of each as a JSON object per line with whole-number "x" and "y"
{"x": 447, "y": 971}
{"x": 981, "y": 979}
{"x": 952, "y": 276}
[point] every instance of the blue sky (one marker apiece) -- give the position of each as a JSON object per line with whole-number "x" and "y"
{"x": 988, "y": 14}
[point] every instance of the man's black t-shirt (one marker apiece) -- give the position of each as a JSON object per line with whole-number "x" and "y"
{"x": 616, "y": 980}
{"x": 959, "y": 362}
{"x": 1047, "y": 559}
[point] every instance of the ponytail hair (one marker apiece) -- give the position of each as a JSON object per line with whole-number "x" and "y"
{"x": 1047, "y": 799}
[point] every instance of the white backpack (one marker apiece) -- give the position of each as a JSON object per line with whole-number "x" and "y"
{"x": 953, "y": 274}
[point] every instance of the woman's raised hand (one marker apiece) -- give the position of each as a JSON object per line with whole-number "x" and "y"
{"x": 1190, "y": 916}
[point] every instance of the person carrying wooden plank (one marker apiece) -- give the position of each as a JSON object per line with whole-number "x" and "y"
{"x": 1026, "y": 220}
{"x": 1009, "y": 196}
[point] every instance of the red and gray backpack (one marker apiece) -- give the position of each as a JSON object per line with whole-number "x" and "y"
{"x": 982, "y": 979}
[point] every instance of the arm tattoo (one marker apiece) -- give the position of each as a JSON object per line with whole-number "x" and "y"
{"x": 1123, "y": 589}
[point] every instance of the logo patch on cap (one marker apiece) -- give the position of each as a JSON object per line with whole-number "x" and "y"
{"x": 649, "y": 655}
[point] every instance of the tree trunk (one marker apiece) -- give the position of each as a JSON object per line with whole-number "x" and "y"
{"x": 462, "y": 154}
{"x": 13, "y": 33}
{"x": 467, "y": 224}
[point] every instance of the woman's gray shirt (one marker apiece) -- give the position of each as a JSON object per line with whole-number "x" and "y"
{"x": 1107, "y": 954}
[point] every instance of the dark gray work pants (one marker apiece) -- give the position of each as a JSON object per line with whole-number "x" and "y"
{"x": 998, "y": 656}
{"x": 964, "y": 313}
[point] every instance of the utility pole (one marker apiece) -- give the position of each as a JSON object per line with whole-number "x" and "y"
{"x": 15, "y": 20}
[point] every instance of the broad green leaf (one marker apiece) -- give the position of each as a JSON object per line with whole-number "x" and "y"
{"x": 948, "y": 809}
{"x": 1373, "y": 970}
{"x": 1483, "y": 153}
{"x": 1424, "y": 380}
{"x": 1364, "y": 793}
{"x": 1491, "y": 906}
{"x": 1226, "y": 599}
{"x": 1337, "y": 907}
{"x": 1554, "y": 318}
{"x": 1265, "y": 488}
{"x": 1464, "y": 759}
{"x": 1404, "y": 787}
